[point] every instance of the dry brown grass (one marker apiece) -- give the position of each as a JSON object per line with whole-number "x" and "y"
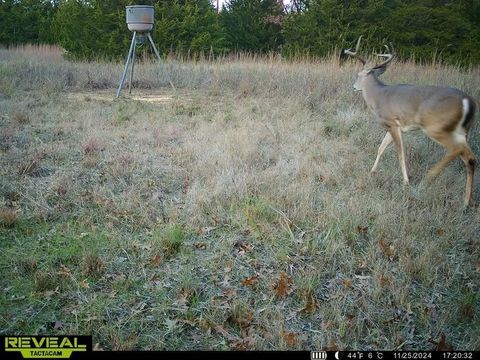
{"x": 236, "y": 213}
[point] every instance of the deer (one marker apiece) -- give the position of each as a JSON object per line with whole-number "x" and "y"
{"x": 444, "y": 114}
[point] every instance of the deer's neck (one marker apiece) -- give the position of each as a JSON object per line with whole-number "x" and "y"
{"x": 372, "y": 91}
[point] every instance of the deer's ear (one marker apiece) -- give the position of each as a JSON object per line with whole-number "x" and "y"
{"x": 342, "y": 57}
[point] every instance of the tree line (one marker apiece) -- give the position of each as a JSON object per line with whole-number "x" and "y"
{"x": 448, "y": 30}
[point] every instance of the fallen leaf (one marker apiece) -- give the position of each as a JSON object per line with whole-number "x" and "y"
{"x": 208, "y": 229}
{"x": 183, "y": 298}
{"x": 249, "y": 281}
{"x": 242, "y": 320}
{"x": 311, "y": 304}
{"x": 156, "y": 260}
{"x": 221, "y": 330}
{"x": 362, "y": 229}
{"x": 440, "y": 232}
{"x": 84, "y": 284}
{"x": 201, "y": 246}
{"x": 56, "y": 325}
{"x": 282, "y": 286}
{"x": 186, "y": 184}
{"x": 243, "y": 344}
{"x": 350, "y": 318}
{"x": 229, "y": 293}
{"x": 387, "y": 249}
{"x": 348, "y": 283}
{"x": 290, "y": 338}
{"x": 205, "y": 326}
{"x": 384, "y": 280}
{"x": 331, "y": 346}
{"x": 441, "y": 345}
{"x": 49, "y": 293}
{"x": 64, "y": 271}
{"x": 185, "y": 292}
{"x": 363, "y": 264}
{"x": 243, "y": 247}
{"x": 124, "y": 344}
{"x": 247, "y": 247}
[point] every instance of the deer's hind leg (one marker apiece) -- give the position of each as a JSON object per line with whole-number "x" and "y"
{"x": 456, "y": 145}
{"x": 454, "y": 149}
{"x": 469, "y": 160}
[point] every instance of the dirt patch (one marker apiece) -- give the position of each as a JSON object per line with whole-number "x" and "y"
{"x": 110, "y": 95}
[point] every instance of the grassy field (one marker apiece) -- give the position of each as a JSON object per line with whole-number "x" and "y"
{"x": 234, "y": 212}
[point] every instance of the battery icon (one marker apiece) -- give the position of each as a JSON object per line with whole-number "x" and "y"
{"x": 318, "y": 355}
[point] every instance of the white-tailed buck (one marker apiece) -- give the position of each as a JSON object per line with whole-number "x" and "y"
{"x": 445, "y": 114}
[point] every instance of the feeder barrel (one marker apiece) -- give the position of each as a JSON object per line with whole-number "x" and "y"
{"x": 140, "y": 18}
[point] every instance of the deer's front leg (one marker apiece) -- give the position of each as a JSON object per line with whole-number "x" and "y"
{"x": 385, "y": 142}
{"x": 396, "y": 134}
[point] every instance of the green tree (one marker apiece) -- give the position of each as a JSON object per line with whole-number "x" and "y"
{"x": 73, "y": 28}
{"x": 26, "y": 21}
{"x": 253, "y": 25}
{"x": 188, "y": 26}
{"x": 449, "y": 30}
{"x": 92, "y": 29}
{"x": 435, "y": 28}
{"x": 97, "y": 28}
{"x": 444, "y": 29}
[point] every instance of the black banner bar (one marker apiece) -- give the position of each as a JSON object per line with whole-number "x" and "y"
{"x": 80, "y": 347}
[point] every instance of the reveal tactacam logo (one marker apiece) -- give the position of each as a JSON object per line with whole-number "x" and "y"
{"x": 51, "y": 347}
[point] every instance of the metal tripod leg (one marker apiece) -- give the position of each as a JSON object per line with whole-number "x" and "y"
{"x": 158, "y": 57}
{"x": 132, "y": 49}
{"x": 133, "y": 66}
{"x": 153, "y": 45}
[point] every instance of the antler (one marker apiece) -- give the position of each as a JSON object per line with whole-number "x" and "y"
{"x": 389, "y": 55}
{"x": 354, "y": 53}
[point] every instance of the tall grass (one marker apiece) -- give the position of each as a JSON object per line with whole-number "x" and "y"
{"x": 235, "y": 211}
{"x": 34, "y": 67}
